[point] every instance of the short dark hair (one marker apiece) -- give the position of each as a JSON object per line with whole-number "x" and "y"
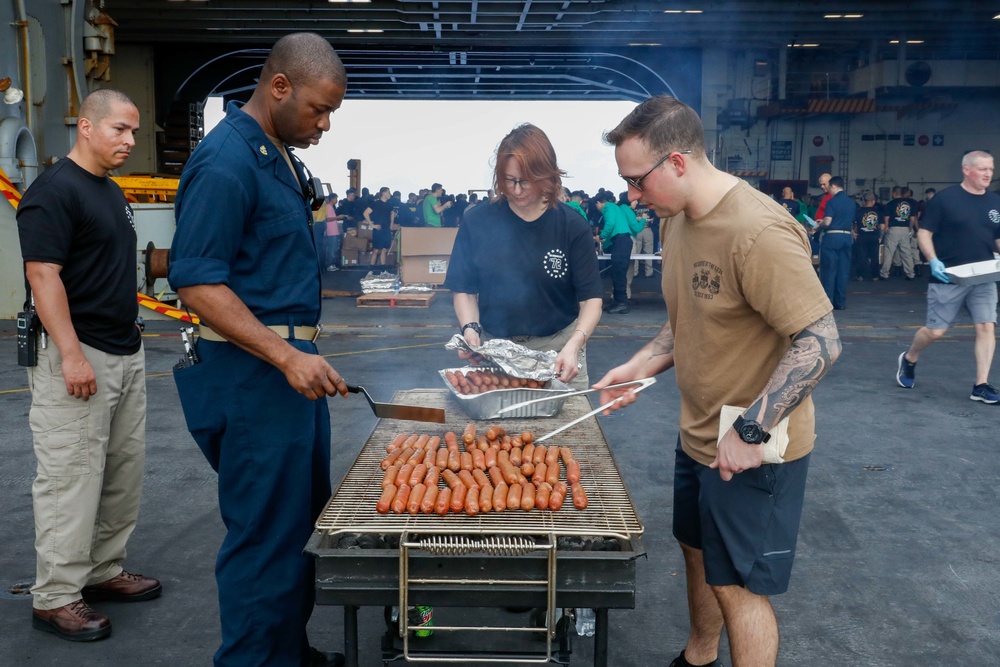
{"x": 352, "y": 191}
{"x": 97, "y": 105}
{"x": 837, "y": 182}
{"x": 930, "y": 191}
{"x": 435, "y": 187}
{"x": 663, "y": 124}
{"x": 303, "y": 57}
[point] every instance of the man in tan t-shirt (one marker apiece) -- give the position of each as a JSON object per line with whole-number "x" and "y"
{"x": 750, "y": 328}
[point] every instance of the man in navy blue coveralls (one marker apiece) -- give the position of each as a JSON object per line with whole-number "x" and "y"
{"x": 243, "y": 259}
{"x": 835, "y": 249}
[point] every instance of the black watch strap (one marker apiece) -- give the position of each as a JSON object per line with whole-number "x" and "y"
{"x": 750, "y": 431}
{"x": 475, "y": 326}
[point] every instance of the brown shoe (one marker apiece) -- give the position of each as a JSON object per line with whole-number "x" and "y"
{"x": 75, "y": 621}
{"x": 126, "y": 587}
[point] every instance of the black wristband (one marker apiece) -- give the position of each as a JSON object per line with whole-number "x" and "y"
{"x": 475, "y": 326}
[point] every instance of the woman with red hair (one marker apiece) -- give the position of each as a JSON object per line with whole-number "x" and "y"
{"x": 523, "y": 266}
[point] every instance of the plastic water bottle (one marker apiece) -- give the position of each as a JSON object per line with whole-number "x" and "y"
{"x": 586, "y": 622}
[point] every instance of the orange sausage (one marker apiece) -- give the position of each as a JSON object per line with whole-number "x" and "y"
{"x": 542, "y": 495}
{"x": 566, "y": 453}
{"x": 402, "y": 496}
{"x": 551, "y": 456}
{"x": 394, "y": 456}
{"x": 458, "y": 497}
{"x": 466, "y": 459}
{"x": 411, "y": 440}
{"x": 490, "y": 456}
{"x": 452, "y": 378}
{"x": 469, "y": 436}
{"x": 482, "y": 443}
{"x": 552, "y": 476}
{"x": 434, "y": 442}
{"x": 509, "y": 472}
{"x": 430, "y": 499}
{"x": 527, "y": 453}
{"x": 450, "y": 478}
{"x": 433, "y": 474}
{"x": 527, "y": 497}
{"x": 514, "y": 496}
{"x": 527, "y": 469}
{"x": 441, "y": 458}
{"x": 516, "y": 442}
{"x": 403, "y": 477}
{"x": 538, "y": 456}
{"x": 451, "y": 440}
{"x": 478, "y": 459}
{"x": 486, "y": 499}
{"x": 496, "y": 476}
{"x": 579, "y": 496}
{"x": 454, "y": 460}
{"x": 389, "y": 479}
{"x": 418, "y": 474}
{"x": 443, "y": 503}
{"x": 422, "y": 441}
{"x": 467, "y": 478}
{"x": 397, "y": 442}
{"x": 385, "y": 502}
{"x": 416, "y": 497}
{"x": 416, "y": 457}
{"x": 472, "y": 502}
{"x": 515, "y": 456}
{"x": 429, "y": 456}
{"x": 573, "y": 471}
{"x": 557, "y": 496}
{"x": 481, "y": 478}
{"x": 491, "y": 433}
{"x": 500, "y": 497}
{"x": 527, "y": 437}
{"x": 541, "y": 470}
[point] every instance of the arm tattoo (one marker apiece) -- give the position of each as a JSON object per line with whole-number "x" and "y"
{"x": 663, "y": 343}
{"x": 813, "y": 351}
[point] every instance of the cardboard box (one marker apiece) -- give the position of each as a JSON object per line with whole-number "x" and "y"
{"x": 365, "y": 231}
{"x": 424, "y": 253}
{"x": 349, "y": 257}
{"x": 364, "y": 259}
{"x": 356, "y": 243}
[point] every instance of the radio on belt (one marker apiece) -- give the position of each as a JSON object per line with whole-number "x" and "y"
{"x": 190, "y": 357}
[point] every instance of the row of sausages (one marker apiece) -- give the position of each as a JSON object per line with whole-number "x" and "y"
{"x": 478, "y": 382}
{"x": 476, "y": 480}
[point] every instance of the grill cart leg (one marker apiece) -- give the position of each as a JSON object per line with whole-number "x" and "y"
{"x": 601, "y": 638}
{"x": 350, "y": 636}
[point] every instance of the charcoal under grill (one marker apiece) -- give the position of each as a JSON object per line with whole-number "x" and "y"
{"x": 539, "y": 559}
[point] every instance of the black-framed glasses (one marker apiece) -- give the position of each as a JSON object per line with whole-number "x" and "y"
{"x": 637, "y": 182}
{"x": 514, "y": 183}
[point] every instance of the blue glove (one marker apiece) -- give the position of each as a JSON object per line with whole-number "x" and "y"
{"x": 937, "y": 270}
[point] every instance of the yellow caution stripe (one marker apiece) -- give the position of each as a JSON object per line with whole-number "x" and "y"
{"x": 10, "y": 193}
{"x": 164, "y": 309}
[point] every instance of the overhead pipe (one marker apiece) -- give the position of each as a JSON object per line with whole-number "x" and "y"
{"x": 22, "y": 23}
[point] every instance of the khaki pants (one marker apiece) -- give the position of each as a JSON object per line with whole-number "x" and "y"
{"x": 555, "y": 342}
{"x": 643, "y": 245}
{"x": 89, "y": 477}
{"x": 897, "y": 238}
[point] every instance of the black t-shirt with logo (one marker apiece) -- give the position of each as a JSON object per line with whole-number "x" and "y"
{"x": 84, "y": 224}
{"x": 866, "y": 220}
{"x": 900, "y": 210}
{"x": 530, "y": 276}
{"x": 965, "y": 226}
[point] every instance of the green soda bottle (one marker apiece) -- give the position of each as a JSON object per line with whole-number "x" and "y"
{"x": 422, "y": 618}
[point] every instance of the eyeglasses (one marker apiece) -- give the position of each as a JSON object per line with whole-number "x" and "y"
{"x": 637, "y": 182}
{"x": 514, "y": 183}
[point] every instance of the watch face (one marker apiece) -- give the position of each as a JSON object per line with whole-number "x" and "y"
{"x": 750, "y": 433}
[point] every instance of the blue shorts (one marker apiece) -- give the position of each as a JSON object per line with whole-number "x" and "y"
{"x": 747, "y": 527}
{"x": 944, "y": 301}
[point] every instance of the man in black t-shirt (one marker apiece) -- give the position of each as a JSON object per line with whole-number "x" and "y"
{"x": 88, "y": 390}
{"x": 961, "y": 225}
{"x": 900, "y": 219}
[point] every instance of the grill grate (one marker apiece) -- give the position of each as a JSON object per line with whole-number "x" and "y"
{"x": 610, "y": 512}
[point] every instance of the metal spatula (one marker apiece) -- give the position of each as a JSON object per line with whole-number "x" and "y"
{"x": 393, "y": 411}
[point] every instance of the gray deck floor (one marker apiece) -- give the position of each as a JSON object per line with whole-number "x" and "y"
{"x": 898, "y": 551}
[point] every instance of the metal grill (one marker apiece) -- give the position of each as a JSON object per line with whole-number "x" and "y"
{"x": 610, "y": 511}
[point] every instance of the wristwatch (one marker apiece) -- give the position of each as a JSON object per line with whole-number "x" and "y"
{"x": 750, "y": 431}
{"x": 475, "y": 326}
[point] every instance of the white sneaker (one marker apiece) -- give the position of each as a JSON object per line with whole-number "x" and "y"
{"x": 332, "y": 268}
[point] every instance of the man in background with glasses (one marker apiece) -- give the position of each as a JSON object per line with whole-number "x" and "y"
{"x": 750, "y": 333}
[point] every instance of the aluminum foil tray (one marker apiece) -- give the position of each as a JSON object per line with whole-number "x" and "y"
{"x": 975, "y": 273}
{"x": 488, "y": 404}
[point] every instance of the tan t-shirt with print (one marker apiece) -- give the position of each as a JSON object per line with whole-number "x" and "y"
{"x": 738, "y": 284}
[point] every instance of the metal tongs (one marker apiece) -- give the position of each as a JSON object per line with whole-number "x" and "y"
{"x": 642, "y": 384}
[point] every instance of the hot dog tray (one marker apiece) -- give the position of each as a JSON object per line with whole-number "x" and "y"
{"x": 975, "y": 273}
{"x": 488, "y": 404}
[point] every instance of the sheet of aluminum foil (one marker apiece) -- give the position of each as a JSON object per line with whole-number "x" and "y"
{"x": 510, "y": 357}
{"x": 388, "y": 283}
